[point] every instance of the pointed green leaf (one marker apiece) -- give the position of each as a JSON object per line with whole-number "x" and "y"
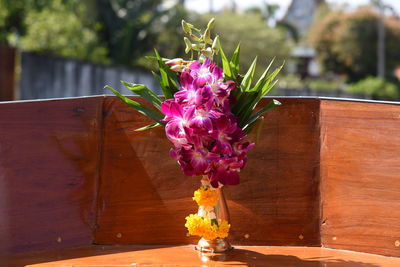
{"x": 261, "y": 92}
{"x": 246, "y": 83}
{"x": 154, "y": 115}
{"x": 247, "y": 129}
{"x": 160, "y": 82}
{"x": 271, "y": 105}
{"x": 167, "y": 81}
{"x": 214, "y": 221}
{"x": 164, "y": 59}
{"x": 267, "y": 87}
{"x": 150, "y": 126}
{"x": 225, "y": 65}
{"x": 243, "y": 103}
{"x": 235, "y": 61}
{"x": 144, "y": 92}
{"x": 263, "y": 78}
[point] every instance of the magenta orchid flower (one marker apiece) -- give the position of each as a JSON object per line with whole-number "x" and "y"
{"x": 206, "y": 135}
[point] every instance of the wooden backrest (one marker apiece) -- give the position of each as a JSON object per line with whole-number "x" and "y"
{"x": 144, "y": 198}
{"x": 74, "y": 172}
{"x": 49, "y": 154}
{"x": 360, "y": 176}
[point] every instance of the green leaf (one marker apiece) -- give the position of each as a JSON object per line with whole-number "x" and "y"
{"x": 144, "y": 92}
{"x": 268, "y": 88}
{"x": 148, "y": 112}
{"x": 261, "y": 92}
{"x": 235, "y": 61}
{"x": 244, "y": 103}
{"x": 225, "y": 65}
{"x": 150, "y": 126}
{"x": 271, "y": 105}
{"x": 247, "y": 129}
{"x": 246, "y": 83}
{"x": 164, "y": 59}
{"x": 167, "y": 82}
{"x": 262, "y": 79}
{"x": 214, "y": 221}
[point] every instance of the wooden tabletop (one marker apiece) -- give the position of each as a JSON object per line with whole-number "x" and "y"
{"x": 134, "y": 255}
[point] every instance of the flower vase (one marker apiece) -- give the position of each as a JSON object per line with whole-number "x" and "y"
{"x": 217, "y": 245}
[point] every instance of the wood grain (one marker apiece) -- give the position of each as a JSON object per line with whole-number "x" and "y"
{"x": 48, "y": 169}
{"x": 335, "y": 158}
{"x": 139, "y": 255}
{"x": 144, "y": 197}
{"x": 360, "y": 176}
{"x": 7, "y": 73}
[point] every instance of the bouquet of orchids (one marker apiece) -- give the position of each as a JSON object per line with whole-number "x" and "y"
{"x": 207, "y": 112}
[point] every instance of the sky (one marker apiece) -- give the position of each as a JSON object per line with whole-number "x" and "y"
{"x": 204, "y": 5}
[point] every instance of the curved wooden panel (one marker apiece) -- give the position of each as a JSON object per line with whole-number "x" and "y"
{"x": 144, "y": 198}
{"x": 360, "y": 176}
{"x": 48, "y": 169}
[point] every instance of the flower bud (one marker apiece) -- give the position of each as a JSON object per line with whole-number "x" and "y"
{"x": 177, "y": 68}
{"x": 195, "y": 38}
{"x": 186, "y": 27}
{"x": 215, "y": 45}
{"x": 196, "y": 47}
{"x": 207, "y": 36}
{"x": 188, "y": 45}
{"x": 211, "y": 23}
{"x": 175, "y": 61}
{"x": 207, "y": 52}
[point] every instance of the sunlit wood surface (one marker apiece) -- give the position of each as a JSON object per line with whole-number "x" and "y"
{"x": 73, "y": 172}
{"x": 114, "y": 256}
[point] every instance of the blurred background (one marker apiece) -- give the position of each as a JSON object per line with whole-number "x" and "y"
{"x": 65, "y": 48}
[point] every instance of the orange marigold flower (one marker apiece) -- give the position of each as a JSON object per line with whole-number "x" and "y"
{"x": 205, "y": 228}
{"x": 206, "y": 197}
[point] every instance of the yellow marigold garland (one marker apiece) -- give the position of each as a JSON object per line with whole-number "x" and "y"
{"x": 204, "y": 227}
{"x": 205, "y": 197}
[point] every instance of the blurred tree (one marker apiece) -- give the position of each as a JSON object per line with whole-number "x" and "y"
{"x": 168, "y": 31}
{"x": 12, "y": 14}
{"x": 255, "y": 36}
{"x": 59, "y": 27}
{"x": 377, "y": 88}
{"x": 64, "y": 28}
{"x": 346, "y": 43}
{"x": 128, "y": 27}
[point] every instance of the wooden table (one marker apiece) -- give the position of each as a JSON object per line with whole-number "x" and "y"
{"x": 133, "y": 255}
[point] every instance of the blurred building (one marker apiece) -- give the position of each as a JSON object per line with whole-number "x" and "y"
{"x": 299, "y": 18}
{"x": 300, "y": 14}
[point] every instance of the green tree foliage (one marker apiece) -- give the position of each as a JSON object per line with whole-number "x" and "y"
{"x": 377, "y": 88}
{"x": 62, "y": 29}
{"x": 12, "y": 18}
{"x": 128, "y": 27}
{"x": 255, "y": 37}
{"x": 346, "y": 43}
{"x": 59, "y": 27}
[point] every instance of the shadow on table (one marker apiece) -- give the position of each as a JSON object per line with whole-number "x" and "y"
{"x": 243, "y": 257}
